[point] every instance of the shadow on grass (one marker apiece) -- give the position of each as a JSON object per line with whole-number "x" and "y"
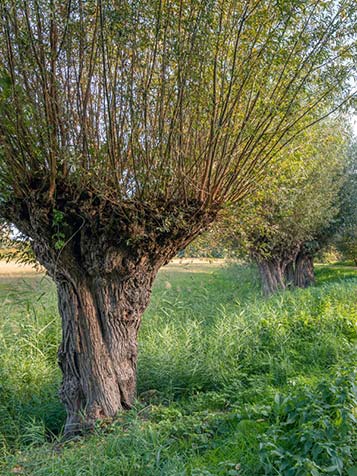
{"x": 202, "y": 332}
{"x": 334, "y": 274}
{"x": 29, "y": 417}
{"x": 30, "y": 410}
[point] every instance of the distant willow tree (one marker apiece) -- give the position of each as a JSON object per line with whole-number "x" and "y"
{"x": 280, "y": 227}
{"x": 343, "y": 233}
{"x": 125, "y": 126}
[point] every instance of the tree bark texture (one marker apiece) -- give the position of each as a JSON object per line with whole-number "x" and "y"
{"x": 98, "y": 353}
{"x": 272, "y": 276}
{"x": 304, "y": 270}
{"x": 289, "y": 274}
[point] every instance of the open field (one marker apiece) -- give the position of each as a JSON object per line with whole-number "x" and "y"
{"x": 229, "y": 383}
{"x": 12, "y": 269}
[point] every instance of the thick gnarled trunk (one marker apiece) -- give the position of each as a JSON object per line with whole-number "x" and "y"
{"x": 304, "y": 270}
{"x": 100, "y": 322}
{"x": 103, "y": 256}
{"x": 272, "y": 276}
{"x": 289, "y": 274}
{"x": 277, "y": 270}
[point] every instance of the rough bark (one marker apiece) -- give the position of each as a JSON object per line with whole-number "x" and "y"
{"x": 304, "y": 269}
{"x": 289, "y": 274}
{"x": 100, "y": 321}
{"x": 272, "y": 276}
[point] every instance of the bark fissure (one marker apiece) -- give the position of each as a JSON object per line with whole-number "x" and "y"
{"x": 98, "y": 354}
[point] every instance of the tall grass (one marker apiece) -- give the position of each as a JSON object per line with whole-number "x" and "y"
{"x": 29, "y": 377}
{"x": 214, "y": 355}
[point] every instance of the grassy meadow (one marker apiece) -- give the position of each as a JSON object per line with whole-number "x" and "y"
{"x": 229, "y": 383}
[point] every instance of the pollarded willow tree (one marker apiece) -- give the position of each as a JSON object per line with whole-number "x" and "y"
{"x": 124, "y": 128}
{"x": 343, "y": 233}
{"x": 280, "y": 226}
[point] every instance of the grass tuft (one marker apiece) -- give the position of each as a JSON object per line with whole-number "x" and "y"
{"x": 229, "y": 383}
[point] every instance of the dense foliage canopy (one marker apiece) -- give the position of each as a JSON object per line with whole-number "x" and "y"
{"x": 344, "y": 230}
{"x": 297, "y": 200}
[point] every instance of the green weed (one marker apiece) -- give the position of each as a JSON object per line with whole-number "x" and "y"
{"x": 214, "y": 355}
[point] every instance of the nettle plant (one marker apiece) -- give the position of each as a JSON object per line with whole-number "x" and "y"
{"x": 125, "y": 126}
{"x": 312, "y": 431}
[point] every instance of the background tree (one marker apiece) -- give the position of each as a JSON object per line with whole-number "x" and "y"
{"x": 279, "y": 226}
{"x": 124, "y": 128}
{"x": 344, "y": 231}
